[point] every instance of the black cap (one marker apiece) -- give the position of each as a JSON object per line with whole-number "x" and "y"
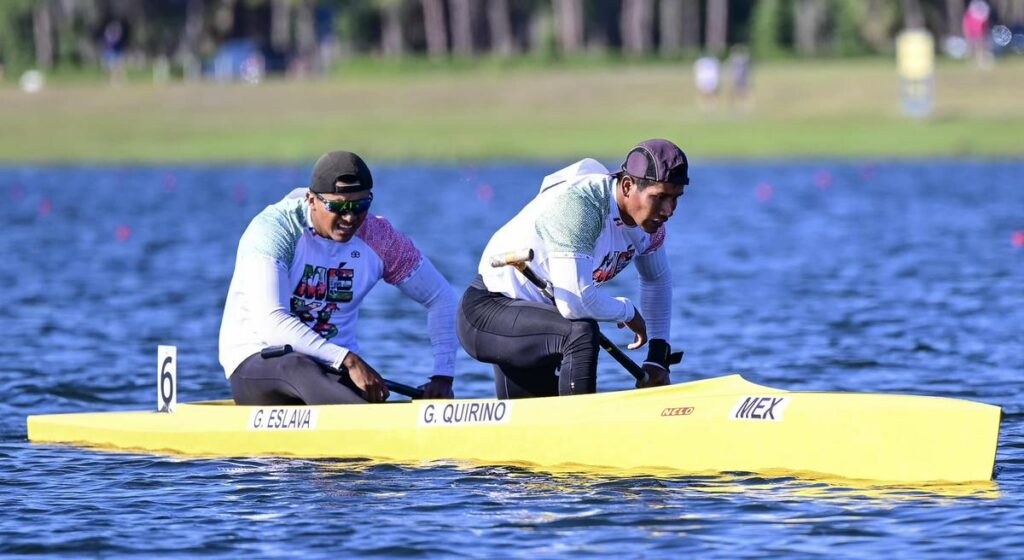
{"x": 657, "y": 160}
{"x": 340, "y": 172}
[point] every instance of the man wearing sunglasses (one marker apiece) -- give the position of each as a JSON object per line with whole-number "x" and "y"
{"x": 585, "y": 226}
{"x": 303, "y": 266}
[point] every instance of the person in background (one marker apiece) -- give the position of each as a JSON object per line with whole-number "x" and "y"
{"x": 975, "y": 27}
{"x": 707, "y": 77}
{"x": 739, "y": 74}
{"x": 585, "y": 226}
{"x": 113, "y": 40}
{"x": 304, "y": 265}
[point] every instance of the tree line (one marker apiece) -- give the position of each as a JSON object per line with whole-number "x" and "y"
{"x": 316, "y": 33}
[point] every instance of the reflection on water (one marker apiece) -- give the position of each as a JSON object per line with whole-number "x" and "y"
{"x": 771, "y": 484}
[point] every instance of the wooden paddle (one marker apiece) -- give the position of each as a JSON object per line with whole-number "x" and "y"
{"x": 519, "y": 260}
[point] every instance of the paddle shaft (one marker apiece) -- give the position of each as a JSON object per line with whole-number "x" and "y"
{"x": 411, "y": 392}
{"x": 402, "y": 389}
{"x": 634, "y": 370}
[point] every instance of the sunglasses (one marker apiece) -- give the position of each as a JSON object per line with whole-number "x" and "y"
{"x": 341, "y": 206}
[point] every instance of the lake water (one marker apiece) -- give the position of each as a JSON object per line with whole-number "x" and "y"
{"x": 852, "y": 276}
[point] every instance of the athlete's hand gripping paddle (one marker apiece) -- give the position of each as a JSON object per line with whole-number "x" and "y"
{"x": 393, "y": 386}
{"x": 401, "y": 389}
{"x": 519, "y": 260}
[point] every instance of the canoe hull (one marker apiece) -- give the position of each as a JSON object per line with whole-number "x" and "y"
{"x": 714, "y": 425}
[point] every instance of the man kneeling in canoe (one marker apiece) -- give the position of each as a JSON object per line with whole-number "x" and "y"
{"x": 585, "y": 226}
{"x": 303, "y": 266}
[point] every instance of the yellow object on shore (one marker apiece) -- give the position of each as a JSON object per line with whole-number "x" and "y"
{"x": 915, "y": 54}
{"x": 723, "y": 424}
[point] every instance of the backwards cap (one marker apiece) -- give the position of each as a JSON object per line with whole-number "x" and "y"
{"x": 339, "y": 173}
{"x": 657, "y": 160}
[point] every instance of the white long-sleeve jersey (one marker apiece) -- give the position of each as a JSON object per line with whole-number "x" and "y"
{"x": 579, "y": 243}
{"x": 292, "y": 286}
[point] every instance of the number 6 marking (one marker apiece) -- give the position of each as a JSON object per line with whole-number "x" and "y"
{"x": 166, "y": 378}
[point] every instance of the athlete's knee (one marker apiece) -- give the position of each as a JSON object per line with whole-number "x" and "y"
{"x": 584, "y": 331}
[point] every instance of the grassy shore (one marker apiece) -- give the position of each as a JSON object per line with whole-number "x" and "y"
{"x": 816, "y": 108}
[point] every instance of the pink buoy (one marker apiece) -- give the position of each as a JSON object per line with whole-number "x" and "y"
{"x": 124, "y": 233}
{"x": 764, "y": 192}
{"x": 485, "y": 192}
{"x": 823, "y": 179}
{"x": 1018, "y": 238}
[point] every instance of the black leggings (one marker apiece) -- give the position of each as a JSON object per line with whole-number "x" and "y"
{"x": 528, "y": 343}
{"x": 291, "y": 379}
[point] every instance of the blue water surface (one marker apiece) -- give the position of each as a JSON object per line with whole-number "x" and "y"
{"x": 853, "y": 276}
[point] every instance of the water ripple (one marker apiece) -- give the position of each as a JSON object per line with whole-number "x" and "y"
{"x": 902, "y": 280}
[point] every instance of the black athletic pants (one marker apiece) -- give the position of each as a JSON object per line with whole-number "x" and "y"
{"x": 291, "y": 379}
{"x": 535, "y": 351}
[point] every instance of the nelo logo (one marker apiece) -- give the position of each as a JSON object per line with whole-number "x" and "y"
{"x": 677, "y": 411}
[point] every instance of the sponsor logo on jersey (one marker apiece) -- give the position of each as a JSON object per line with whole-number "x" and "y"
{"x": 613, "y": 263}
{"x": 677, "y": 411}
{"x": 266, "y": 418}
{"x": 770, "y": 409}
{"x": 318, "y": 293}
{"x": 451, "y": 414}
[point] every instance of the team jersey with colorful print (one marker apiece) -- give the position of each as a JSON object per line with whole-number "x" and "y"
{"x": 574, "y": 215}
{"x": 327, "y": 280}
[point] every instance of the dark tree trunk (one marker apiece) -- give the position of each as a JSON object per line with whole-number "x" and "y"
{"x": 637, "y": 23}
{"x": 569, "y": 19}
{"x": 392, "y": 36}
{"x": 873, "y": 29}
{"x": 808, "y": 17}
{"x": 436, "y": 31}
{"x": 305, "y": 35}
{"x": 670, "y": 25}
{"x": 280, "y": 25}
{"x": 42, "y": 31}
{"x": 500, "y": 23}
{"x": 691, "y": 24}
{"x": 191, "y": 35}
{"x": 717, "y": 26}
{"x": 461, "y": 14}
{"x": 954, "y": 11}
{"x": 912, "y": 16}
{"x": 1009, "y": 12}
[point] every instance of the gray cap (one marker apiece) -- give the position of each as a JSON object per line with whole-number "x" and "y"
{"x": 340, "y": 172}
{"x": 657, "y": 160}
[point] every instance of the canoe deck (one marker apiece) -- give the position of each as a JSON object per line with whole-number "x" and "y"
{"x": 722, "y": 424}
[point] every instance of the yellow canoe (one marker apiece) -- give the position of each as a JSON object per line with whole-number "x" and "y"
{"x": 722, "y": 424}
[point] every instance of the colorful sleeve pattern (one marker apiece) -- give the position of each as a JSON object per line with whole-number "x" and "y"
{"x": 657, "y": 240}
{"x": 401, "y": 257}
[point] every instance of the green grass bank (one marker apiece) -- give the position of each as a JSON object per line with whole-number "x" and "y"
{"x": 841, "y": 109}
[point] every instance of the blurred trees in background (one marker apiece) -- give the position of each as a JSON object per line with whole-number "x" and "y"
{"x": 300, "y": 36}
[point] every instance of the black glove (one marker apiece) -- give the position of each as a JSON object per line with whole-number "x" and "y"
{"x": 660, "y": 352}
